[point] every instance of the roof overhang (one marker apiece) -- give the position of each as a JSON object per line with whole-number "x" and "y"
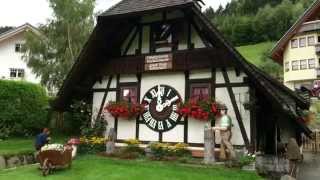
{"x": 279, "y": 48}
{"x": 23, "y": 28}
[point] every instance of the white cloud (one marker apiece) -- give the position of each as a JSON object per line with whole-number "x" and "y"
{"x": 18, "y": 12}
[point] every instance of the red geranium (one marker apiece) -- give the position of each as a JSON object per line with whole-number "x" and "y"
{"x": 202, "y": 110}
{"x": 124, "y": 109}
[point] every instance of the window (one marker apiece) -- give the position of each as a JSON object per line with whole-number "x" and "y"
{"x": 312, "y": 63}
{"x": 303, "y": 64}
{"x": 302, "y": 42}
{"x": 286, "y": 66}
{"x": 17, "y": 73}
{"x": 200, "y": 91}
{"x": 311, "y": 41}
{"x": 129, "y": 93}
{"x": 295, "y": 65}
{"x": 294, "y": 43}
{"x": 18, "y": 48}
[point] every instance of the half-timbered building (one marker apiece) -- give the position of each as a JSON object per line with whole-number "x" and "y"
{"x": 140, "y": 47}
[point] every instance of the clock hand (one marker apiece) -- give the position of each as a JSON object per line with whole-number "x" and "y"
{"x": 169, "y": 102}
{"x": 159, "y": 101}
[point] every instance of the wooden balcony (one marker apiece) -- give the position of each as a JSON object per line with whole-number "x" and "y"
{"x": 310, "y": 26}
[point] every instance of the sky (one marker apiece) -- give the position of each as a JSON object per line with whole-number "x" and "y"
{"x": 35, "y": 12}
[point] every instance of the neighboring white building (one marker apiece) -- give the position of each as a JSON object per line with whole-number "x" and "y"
{"x": 12, "y": 66}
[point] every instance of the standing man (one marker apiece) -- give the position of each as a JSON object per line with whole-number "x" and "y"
{"x": 224, "y": 127}
{"x": 42, "y": 139}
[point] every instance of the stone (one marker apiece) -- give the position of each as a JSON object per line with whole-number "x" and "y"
{"x": 30, "y": 159}
{"x": 2, "y": 162}
{"x": 272, "y": 166}
{"x": 110, "y": 146}
{"x": 209, "y": 146}
{"x": 13, "y": 161}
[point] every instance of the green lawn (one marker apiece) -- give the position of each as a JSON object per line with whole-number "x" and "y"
{"x": 94, "y": 167}
{"x": 21, "y": 145}
{"x": 253, "y": 53}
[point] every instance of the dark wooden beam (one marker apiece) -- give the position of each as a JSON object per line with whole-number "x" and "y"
{"x": 187, "y": 96}
{"x": 133, "y": 37}
{"x": 139, "y": 76}
{"x": 236, "y": 110}
{"x": 104, "y": 97}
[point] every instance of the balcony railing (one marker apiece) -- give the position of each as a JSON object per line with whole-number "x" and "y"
{"x": 310, "y": 26}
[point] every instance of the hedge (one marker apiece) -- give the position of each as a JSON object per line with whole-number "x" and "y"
{"x": 23, "y": 108}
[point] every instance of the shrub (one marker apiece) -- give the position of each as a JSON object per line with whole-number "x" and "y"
{"x": 163, "y": 150}
{"x": 92, "y": 145}
{"x": 133, "y": 146}
{"x": 23, "y": 108}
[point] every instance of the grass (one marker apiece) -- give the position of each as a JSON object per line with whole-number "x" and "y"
{"x": 23, "y": 145}
{"x": 94, "y": 167}
{"x": 254, "y": 53}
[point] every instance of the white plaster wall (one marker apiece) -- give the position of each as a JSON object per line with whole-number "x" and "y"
{"x": 219, "y": 77}
{"x": 146, "y": 40}
{"x": 234, "y": 78}
{"x": 200, "y": 74}
{"x": 146, "y": 134}
{"x": 195, "y": 130}
{"x": 11, "y": 59}
{"x": 103, "y": 84}
{"x": 126, "y": 129}
{"x": 174, "y": 136}
{"x": 195, "y": 38}
{"x": 96, "y": 103}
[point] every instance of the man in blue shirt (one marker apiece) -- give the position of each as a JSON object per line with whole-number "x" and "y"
{"x": 42, "y": 139}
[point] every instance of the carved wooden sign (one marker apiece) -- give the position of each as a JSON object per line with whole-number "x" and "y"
{"x": 158, "y": 62}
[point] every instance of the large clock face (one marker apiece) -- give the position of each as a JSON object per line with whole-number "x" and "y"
{"x": 161, "y": 108}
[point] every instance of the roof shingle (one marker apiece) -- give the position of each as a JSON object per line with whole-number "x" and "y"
{"x": 132, "y": 6}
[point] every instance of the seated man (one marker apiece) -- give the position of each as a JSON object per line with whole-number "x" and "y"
{"x": 42, "y": 139}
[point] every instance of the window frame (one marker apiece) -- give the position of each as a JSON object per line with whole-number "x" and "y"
{"x": 287, "y": 66}
{"x": 199, "y": 85}
{"x": 305, "y": 42}
{"x": 314, "y": 63}
{"x": 304, "y": 66}
{"x": 16, "y": 72}
{"x": 295, "y": 67}
{"x": 18, "y": 48}
{"x": 124, "y": 87}
{"x": 294, "y": 43}
{"x": 314, "y": 41}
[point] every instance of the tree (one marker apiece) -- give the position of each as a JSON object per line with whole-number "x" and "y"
{"x": 52, "y": 53}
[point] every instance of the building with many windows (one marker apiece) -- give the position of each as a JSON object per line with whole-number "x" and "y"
{"x": 12, "y": 66}
{"x": 299, "y": 50}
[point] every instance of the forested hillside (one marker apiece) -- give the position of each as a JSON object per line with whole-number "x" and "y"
{"x": 246, "y": 22}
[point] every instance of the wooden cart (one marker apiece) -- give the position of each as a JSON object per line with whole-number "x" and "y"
{"x": 53, "y": 159}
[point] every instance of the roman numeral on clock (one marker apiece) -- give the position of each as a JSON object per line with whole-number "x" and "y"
{"x": 174, "y": 116}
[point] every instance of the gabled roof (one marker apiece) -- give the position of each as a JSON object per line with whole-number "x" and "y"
{"x": 278, "y": 50}
{"x": 285, "y": 100}
{"x": 132, "y": 6}
{"x": 14, "y": 31}
{"x": 5, "y": 29}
